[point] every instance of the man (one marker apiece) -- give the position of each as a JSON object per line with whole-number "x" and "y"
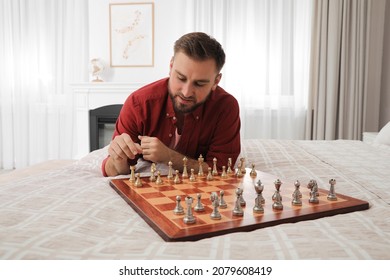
{"x": 185, "y": 115}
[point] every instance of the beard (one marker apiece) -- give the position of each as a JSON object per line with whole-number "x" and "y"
{"x": 190, "y": 105}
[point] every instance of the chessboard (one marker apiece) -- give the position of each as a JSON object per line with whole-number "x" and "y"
{"x": 156, "y": 203}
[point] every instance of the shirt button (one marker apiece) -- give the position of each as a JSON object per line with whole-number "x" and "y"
{"x": 197, "y": 117}
{"x": 167, "y": 114}
{"x": 174, "y": 118}
{"x": 170, "y": 134}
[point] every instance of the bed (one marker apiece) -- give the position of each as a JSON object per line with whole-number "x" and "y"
{"x": 67, "y": 210}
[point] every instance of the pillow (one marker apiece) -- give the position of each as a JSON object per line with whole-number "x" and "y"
{"x": 383, "y": 136}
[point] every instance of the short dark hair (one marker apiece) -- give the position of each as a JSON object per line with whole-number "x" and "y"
{"x": 200, "y": 46}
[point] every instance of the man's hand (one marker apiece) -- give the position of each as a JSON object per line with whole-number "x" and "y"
{"x": 120, "y": 150}
{"x": 154, "y": 150}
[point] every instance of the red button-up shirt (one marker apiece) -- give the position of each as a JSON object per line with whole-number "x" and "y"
{"x": 212, "y": 130}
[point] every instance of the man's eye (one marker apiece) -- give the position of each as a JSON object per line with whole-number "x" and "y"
{"x": 181, "y": 78}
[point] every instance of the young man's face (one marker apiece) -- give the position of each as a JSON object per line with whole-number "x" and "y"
{"x": 191, "y": 82}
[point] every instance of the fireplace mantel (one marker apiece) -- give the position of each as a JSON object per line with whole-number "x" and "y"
{"x": 88, "y": 96}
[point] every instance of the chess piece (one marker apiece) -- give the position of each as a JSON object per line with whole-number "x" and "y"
{"x": 192, "y": 176}
{"x": 237, "y": 211}
{"x": 243, "y": 170}
{"x": 297, "y": 194}
{"x": 184, "y": 175}
{"x": 239, "y": 173}
{"x": 224, "y": 173}
{"x": 277, "y": 184}
{"x": 332, "y": 194}
{"x": 229, "y": 169}
{"x": 177, "y": 177}
{"x": 170, "y": 171}
{"x": 260, "y": 186}
{"x": 253, "y": 172}
{"x": 189, "y": 217}
{"x": 215, "y": 170}
{"x": 312, "y": 185}
{"x": 159, "y": 181}
{"x": 138, "y": 182}
{"x": 277, "y": 198}
{"x": 179, "y": 210}
{"x": 199, "y": 206}
{"x": 242, "y": 200}
{"x": 222, "y": 202}
{"x": 215, "y": 215}
{"x": 153, "y": 169}
{"x": 258, "y": 208}
{"x": 132, "y": 174}
{"x": 209, "y": 175}
{"x": 200, "y": 171}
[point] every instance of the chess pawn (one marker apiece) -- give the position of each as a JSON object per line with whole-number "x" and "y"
{"x": 222, "y": 202}
{"x": 184, "y": 175}
{"x": 199, "y": 206}
{"x": 332, "y": 194}
{"x": 215, "y": 170}
{"x": 209, "y": 175}
{"x": 229, "y": 168}
{"x": 237, "y": 211}
{"x": 177, "y": 177}
{"x": 179, "y": 210}
{"x": 189, "y": 217}
{"x": 258, "y": 208}
{"x": 296, "y": 195}
{"x": 170, "y": 171}
{"x": 192, "y": 176}
{"x": 200, "y": 161}
{"x": 159, "y": 181}
{"x": 224, "y": 173}
{"x": 215, "y": 215}
{"x": 253, "y": 172}
{"x": 138, "y": 182}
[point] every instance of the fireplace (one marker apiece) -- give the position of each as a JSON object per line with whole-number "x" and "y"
{"x": 89, "y": 97}
{"x": 102, "y": 125}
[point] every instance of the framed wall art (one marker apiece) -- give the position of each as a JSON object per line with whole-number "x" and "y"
{"x": 131, "y": 34}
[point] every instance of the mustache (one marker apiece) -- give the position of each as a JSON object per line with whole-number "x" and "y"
{"x": 191, "y": 98}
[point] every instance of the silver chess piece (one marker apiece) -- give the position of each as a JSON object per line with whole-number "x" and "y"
{"x": 179, "y": 210}
{"x": 138, "y": 182}
{"x": 258, "y": 208}
{"x": 200, "y": 161}
{"x": 312, "y": 185}
{"x": 159, "y": 181}
{"x": 297, "y": 194}
{"x": 132, "y": 174}
{"x": 189, "y": 217}
{"x": 215, "y": 170}
{"x": 332, "y": 194}
{"x": 239, "y": 173}
{"x": 170, "y": 170}
{"x": 153, "y": 169}
{"x": 177, "y": 177}
{"x": 277, "y": 198}
{"x": 222, "y": 202}
{"x": 199, "y": 206}
{"x": 215, "y": 215}
{"x": 209, "y": 175}
{"x": 243, "y": 170}
{"x": 224, "y": 173}
{"x": 237, "y": 211}
{"x": 184, "y": 175}
{"x": 253, "y": 172}
{"x": 230, "y": 166}
{"x": 192, "y": 176}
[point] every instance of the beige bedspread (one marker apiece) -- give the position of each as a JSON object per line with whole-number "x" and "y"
{"x": 70, "y": 212}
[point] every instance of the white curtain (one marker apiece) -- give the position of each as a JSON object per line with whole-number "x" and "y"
{"x": 267, "y": 43}
{"x": 346, "y": 68}
{"x": 44, "y": 45}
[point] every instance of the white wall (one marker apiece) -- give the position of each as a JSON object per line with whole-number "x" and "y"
{"x": 169, "y": 25}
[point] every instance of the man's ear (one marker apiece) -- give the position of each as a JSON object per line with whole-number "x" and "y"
{"x": 170, "y": 65}
{"x": 217, "y": 80}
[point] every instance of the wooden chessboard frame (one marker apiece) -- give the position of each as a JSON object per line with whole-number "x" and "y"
{"x": 172, "y": 228}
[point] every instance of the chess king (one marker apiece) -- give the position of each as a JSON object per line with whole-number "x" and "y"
{"x": 184, "y": 115}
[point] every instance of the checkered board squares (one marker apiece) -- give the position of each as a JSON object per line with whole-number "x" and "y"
{"x": 155, "y": 203}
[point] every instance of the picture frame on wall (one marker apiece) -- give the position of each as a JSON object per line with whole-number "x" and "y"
{"x": 131, "y": 34}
